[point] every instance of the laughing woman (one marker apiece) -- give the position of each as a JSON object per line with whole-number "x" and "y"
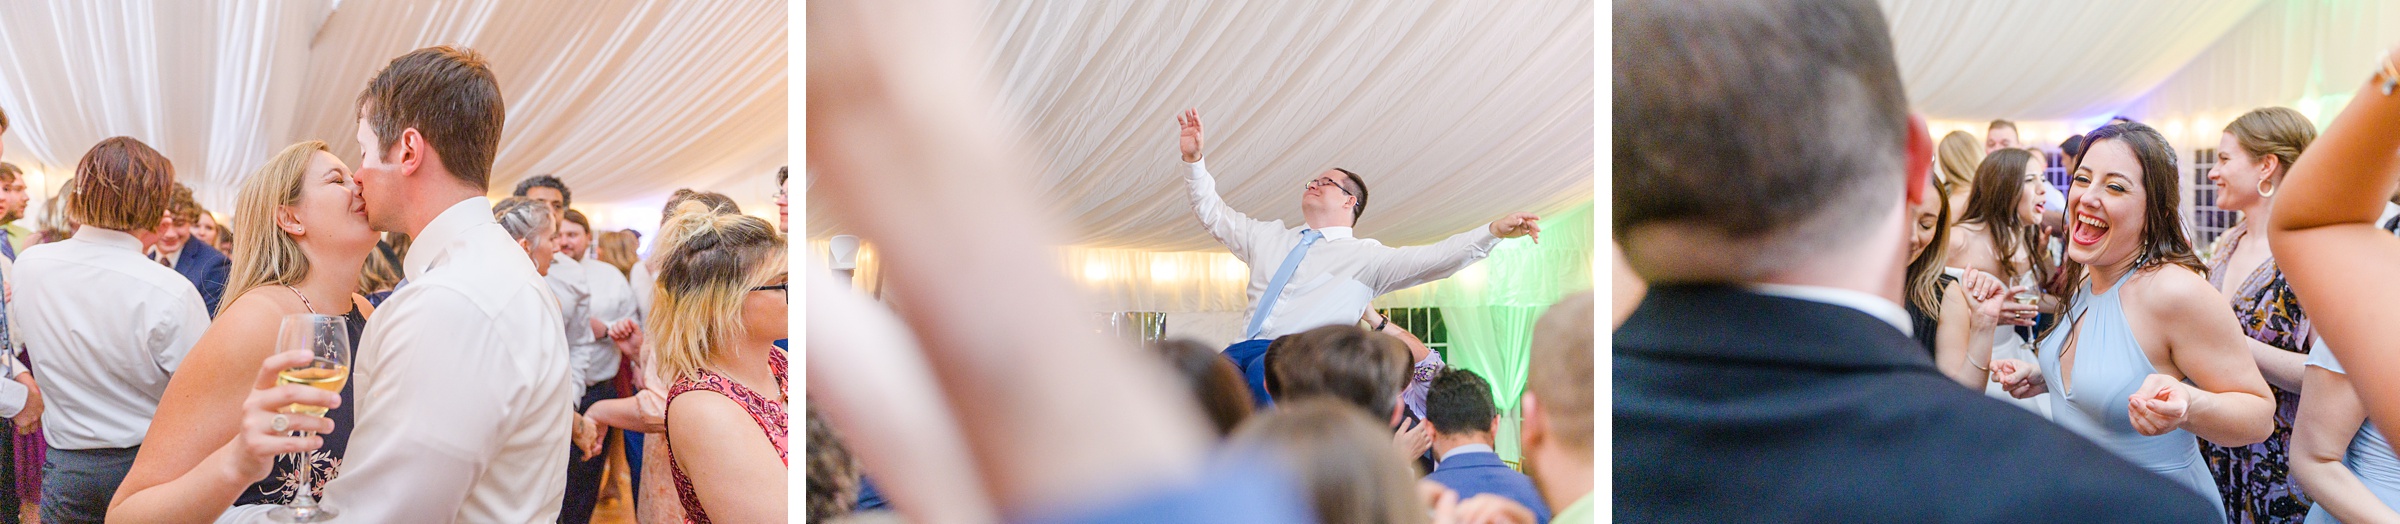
{"x": 2143, "y": 321}
{"x": 2252, "y": 157}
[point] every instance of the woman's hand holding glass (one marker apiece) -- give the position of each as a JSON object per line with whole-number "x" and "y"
{"x": 267, "y": 427}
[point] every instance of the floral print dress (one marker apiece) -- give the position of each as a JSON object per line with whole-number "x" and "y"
{"x": 2256, "y": 480}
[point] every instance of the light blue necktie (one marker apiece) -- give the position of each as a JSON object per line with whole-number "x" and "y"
{"x": 1283, "y": 275}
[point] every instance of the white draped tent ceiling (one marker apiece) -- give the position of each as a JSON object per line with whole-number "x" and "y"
{"x": 625, "y": 100}
{"x": 1455, "y": 112}
{"x": 2187, "y": 67}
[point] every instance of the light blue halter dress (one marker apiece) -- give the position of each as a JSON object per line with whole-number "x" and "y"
{"x": 2109, "y": 368}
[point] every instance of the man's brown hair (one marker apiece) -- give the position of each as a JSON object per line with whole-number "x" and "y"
{"x": 9, "y": 173}
{"x": 183, "y": 207}
{"x": 121, "y": 184}
{"x": 450, "y": 97}
{"x": 1362, "y": 368}
{"x": 1780, "y": 125}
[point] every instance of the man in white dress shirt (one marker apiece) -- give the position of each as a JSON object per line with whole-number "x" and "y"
{"x": 112, "y": 325}
{"x": 465, "y": 401}
{"x": 1336, "y": 274}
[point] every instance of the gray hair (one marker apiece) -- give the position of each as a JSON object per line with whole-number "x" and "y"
{"x": 522, "y": 217}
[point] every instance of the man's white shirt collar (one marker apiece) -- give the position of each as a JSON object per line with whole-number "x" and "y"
{"x": 1879, "y": 307}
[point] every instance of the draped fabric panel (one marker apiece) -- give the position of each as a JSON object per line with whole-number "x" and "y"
{"x": 626, "y": 100}
{"x": 2310, "y": 56}
{"x": 1454, "y": 112}
{"x": 2047, "y": 59}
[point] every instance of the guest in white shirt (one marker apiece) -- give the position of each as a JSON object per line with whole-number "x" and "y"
{"x": 535, "y": 225}
{"x": 112, "y": 326}
{"x": 465, "y": 398}
{"x": 1336, "y": 274}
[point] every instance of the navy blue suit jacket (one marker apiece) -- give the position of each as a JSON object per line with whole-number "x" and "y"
{"x": 1471, "y": 474}
{"x": 206, "y": 268}
{"x": 1732, "y": 406}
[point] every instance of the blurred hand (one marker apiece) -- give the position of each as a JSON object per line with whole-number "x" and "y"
{"x": 29, "y": 420}
{"x": 1189, "y": 122}
{"x": 2162, "y": 405}
{"x": 1413, "y": 439}
{"x": 2016, "y": 376}
{"x": 588, "y": 436}
{"x": 1516, "y": 225}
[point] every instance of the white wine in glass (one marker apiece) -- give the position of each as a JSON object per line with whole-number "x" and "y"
{"x": 328, "y": 378}
{"x": 327, "y": 339}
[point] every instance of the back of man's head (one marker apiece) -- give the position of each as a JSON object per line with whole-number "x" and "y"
{"x": 121, "y": 184}
{"x": 1460, "y": 403}
{"x": 1360, "y": 367}
{"x": 450, "y": 96}
{"x": 1778, "y": 128}
{"x": 1560, "y": 372}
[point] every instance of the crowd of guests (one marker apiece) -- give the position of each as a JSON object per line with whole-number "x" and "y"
{"x": 504, "y": 350}
{"x": 1768, "y": 372}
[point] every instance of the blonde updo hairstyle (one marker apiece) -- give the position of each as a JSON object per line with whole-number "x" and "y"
{"x": 707, "y": 263}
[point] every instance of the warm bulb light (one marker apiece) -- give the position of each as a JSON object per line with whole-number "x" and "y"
{"x": 1165, "y": 270}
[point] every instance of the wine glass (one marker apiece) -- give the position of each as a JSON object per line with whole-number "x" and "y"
{"x": 328, "y": 339}
{"x": 2030, "y": 292}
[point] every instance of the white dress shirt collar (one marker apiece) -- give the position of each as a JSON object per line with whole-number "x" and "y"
{"x": 442, "y": 231}
{"x": 1879, "y": 307}
{"x": 2389, "y": 210}
{"x": 1466, "y": 448}
{"x": 1335, "y": 233}
{"x": 108, "y": 237}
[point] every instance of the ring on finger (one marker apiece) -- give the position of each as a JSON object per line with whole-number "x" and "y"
{"x": 280, "y": 422}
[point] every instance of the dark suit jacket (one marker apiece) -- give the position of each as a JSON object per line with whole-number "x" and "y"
{"x": 206, "y": 268}
{"x": 1732, "y": 406}
{"x": 1471, "y": 474}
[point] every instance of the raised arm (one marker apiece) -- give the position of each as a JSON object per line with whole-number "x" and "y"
{"x": 2329, "y": 247}
{"x": 1407, "y": 267}
{"x": 1237, "y": 231}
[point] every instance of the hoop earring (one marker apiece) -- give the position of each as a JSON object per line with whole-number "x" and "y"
{"x": 2265, "y": 189}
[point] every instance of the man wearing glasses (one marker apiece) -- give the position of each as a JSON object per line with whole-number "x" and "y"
{"x": 1319, "y": 274}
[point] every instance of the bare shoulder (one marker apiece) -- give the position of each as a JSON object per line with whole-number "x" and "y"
{"x": 2176, "y": 292}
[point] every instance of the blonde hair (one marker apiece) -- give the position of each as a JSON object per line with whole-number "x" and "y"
{"x": 618, "y": 248}
{"x": 262, "y": 254}
{"x": 379, "y": 272}
{"x": 2279, "y": 132}
{"x": 1959, "y": 154}
{"x": 708, "y": 262}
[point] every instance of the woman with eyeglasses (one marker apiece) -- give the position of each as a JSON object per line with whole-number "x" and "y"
{"x": 721, "y": 304}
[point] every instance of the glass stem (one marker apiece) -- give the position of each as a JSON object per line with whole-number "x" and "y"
{"x": 304, "y": 498}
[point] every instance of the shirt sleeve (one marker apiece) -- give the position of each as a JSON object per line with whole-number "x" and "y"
{"x": 432, "y": 413}
{"x": 1237, "y": 231}
{"x": 1406, "y": 267}
{"x": 179, "y": 327}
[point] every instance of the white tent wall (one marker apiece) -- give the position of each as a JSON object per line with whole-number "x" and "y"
{"x": 626, "y": 100}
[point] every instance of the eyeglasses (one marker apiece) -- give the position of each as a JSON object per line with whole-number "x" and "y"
{"x": 784, "y": 287}
{"x": 1323, "y": 181}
